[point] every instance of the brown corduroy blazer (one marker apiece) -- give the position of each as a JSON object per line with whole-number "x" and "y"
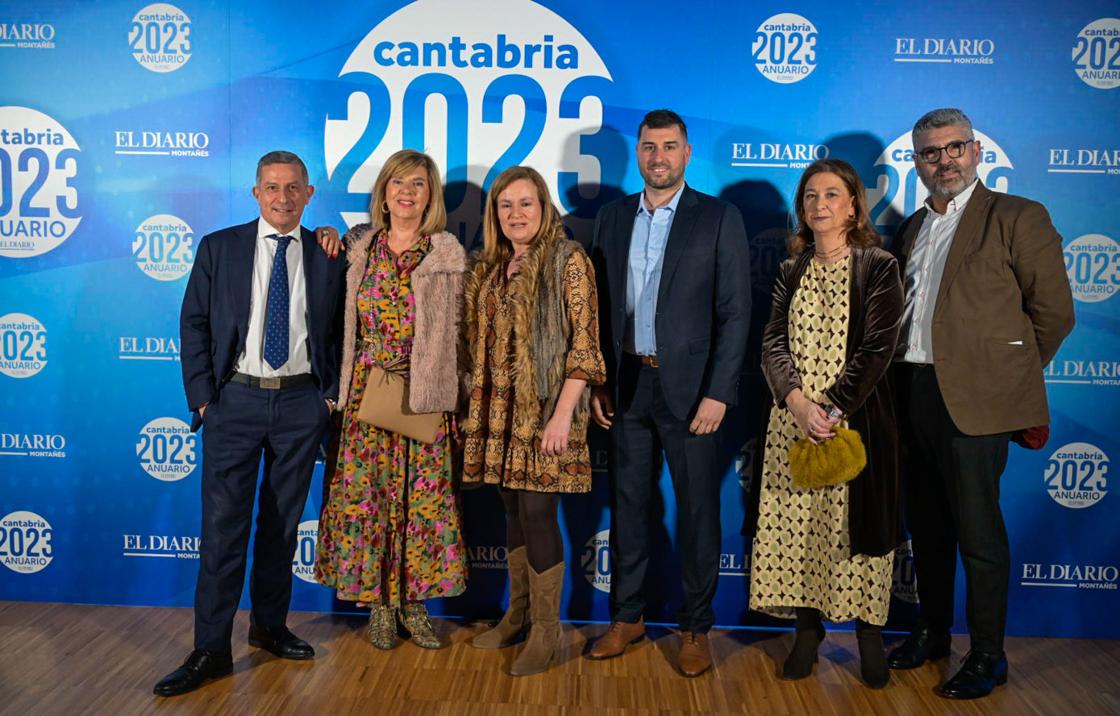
{"x": 1003, "y": 308}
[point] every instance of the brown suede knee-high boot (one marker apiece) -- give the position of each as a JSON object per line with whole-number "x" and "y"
{"x": 544, "y": 609}
{"x": 516, "y": 619}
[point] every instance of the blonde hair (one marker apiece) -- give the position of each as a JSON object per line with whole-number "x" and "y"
{"x": 400, "y": 163}
{"x": 496, "y": 248}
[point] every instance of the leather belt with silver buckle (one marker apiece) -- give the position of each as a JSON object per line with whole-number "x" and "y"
{"x": 277, "y": 383}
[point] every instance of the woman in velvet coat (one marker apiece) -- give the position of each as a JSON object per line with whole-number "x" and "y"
{"x": 831, "y": 337}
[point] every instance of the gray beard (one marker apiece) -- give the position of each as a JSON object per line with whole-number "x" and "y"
{"x": 950, "y": 191}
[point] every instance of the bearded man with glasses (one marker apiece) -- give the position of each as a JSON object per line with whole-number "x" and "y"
{"x": 987, "y": 304}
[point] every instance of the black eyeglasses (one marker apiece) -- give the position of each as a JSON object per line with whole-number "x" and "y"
{"x": 955, "y": 150}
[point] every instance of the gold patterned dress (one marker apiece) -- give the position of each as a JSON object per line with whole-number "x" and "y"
{"x": 492, "y": 453}
{"x": 802, "y": 555}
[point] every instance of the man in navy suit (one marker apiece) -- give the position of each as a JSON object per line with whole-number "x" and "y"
{"x": 259, "y": 334}
{"x": 674, "y": 271}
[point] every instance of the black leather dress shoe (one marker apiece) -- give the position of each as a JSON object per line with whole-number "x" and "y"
{"x": 978, "y": 675}
{"x": 199, "y": 666}
{"x": 921, "y": 646}
{"x": 280, "y": 642}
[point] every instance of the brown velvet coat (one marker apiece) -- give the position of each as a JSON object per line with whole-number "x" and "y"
{"x": 436, "y": 371}
{"x": 862, "y": 392}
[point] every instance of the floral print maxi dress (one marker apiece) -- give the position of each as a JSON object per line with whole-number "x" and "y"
{"x": 390, "y": 529}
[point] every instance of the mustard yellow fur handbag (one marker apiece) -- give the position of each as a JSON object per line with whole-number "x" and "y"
{"x": 832, "y": 462}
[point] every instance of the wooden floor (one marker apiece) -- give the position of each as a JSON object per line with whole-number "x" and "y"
{"x": 69, "y": 660}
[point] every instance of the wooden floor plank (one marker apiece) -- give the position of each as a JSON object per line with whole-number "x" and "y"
{"x": 66, "y": 660}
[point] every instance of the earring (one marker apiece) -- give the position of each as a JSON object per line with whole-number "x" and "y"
{"x": 385, "y": 207}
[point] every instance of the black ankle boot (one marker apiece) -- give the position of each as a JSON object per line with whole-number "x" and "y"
{"x": 809, "y": 635}
{"x": 872, "y": 655}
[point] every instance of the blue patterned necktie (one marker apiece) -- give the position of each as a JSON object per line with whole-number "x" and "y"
{"x": 276, "y": 310}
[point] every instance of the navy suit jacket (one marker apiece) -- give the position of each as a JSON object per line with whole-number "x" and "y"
{"x": 703, "y": 301}
{"x": 215, "y": 316}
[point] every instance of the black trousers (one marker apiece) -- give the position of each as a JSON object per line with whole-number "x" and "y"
{"x": 952, "y": 488}
{"x": 643, "y": 427}
{"x": 242, "y": 425}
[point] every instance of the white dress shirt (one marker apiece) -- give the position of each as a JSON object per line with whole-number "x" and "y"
{"x": 252, "y": 362}
{"x": 924, "y": 268}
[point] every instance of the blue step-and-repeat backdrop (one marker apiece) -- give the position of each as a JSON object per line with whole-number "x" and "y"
{"x": 128, "y": 130}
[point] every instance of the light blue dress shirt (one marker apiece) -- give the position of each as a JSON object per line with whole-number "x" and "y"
{"x": 647, "y": 253}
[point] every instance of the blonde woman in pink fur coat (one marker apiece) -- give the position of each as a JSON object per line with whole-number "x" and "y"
{"x": 389, "y": 534}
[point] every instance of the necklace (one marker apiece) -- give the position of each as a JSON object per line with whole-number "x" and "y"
{"x": 411, "y": 241}
{"x": 829, "y": 256}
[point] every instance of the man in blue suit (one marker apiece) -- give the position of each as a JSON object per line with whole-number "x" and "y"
{"x": 259, "y": 334}
{"x": 674, "y": 271}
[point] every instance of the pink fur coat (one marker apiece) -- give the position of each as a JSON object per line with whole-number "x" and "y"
{"x": 437, "y": 283}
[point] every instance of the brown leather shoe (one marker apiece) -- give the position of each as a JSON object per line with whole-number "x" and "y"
{"x": 695, "y": 657}
{"x": 617, "y": 638}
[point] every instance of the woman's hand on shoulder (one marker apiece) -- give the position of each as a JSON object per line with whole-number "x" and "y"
{"x": 329, "y": 241}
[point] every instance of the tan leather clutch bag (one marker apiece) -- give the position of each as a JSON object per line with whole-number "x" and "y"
{"x": 385, "y": 405}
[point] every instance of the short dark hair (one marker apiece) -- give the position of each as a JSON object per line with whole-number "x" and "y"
{"x": 279, "y": 156}
{"x": 661, "y": 119}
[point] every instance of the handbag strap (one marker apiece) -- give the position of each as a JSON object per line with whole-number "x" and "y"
{"x": 398, "y": 366}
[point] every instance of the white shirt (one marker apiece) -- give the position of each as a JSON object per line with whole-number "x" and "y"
{"x": 252, "y": 362}
{"x": 924, "y": 269}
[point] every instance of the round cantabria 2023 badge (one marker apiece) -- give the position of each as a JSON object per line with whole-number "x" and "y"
{"x": 38, "y": 168}
{"x": 1096, "y": 53}
{"x": 160, "y": 37}
{"x": 1093, "y": 267}
{"x": 163, "y": 247}
{"x": 904, "y": 584}
{"x": 167, "y": 449}
{"x": 307, "y": 540}
{"x": 1076, "y": 476}
{"x": 23, "y": 345}
{"x": 785, "y": 48}
{"x": 596, "y": 561}
{"x": 25, "y": 542}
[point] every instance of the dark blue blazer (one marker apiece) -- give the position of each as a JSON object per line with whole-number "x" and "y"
{"x": 215, "y": 316}
{"x": 703, "y": 301}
